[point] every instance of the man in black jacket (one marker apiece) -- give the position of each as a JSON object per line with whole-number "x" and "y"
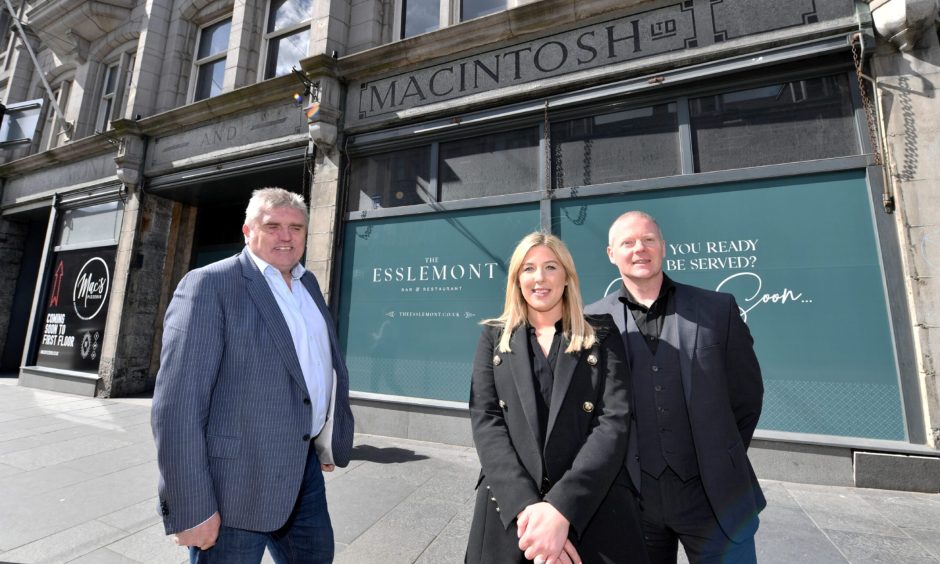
{"x": 698, "y": 392}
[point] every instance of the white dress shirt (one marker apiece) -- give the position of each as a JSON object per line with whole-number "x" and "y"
{"x": 309, "y": 333}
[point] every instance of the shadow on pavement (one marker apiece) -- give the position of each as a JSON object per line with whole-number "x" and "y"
{"x": 387, "y": 455}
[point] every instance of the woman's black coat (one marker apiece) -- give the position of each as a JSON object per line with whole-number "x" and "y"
{"x": 580, "y": 470}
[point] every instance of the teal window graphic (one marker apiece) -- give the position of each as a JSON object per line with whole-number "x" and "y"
{"x": 414, "y": 290}
{"x": 801, "y": 258}
{"x": 799, "y": 254}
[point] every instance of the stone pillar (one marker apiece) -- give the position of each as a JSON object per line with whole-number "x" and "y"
{"x": 12, "y": 242}
{"x": 135, "y": 300}
{"x": 329, "y": 28}
{"x": 138, "y": 280}
{"x": 369, "y": 25}
{"x": 908, "y": 84}
{"x": 152, "y": 46}
{"x": 321, "y": 237}
{"x": 245, "y": 43}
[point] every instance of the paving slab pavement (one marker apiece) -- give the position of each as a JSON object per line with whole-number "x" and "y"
{"x": 78, "y": 485}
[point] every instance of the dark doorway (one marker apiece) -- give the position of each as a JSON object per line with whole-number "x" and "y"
{"x": 218, "y": 232}
{"x": 221, "y": 208}
{"x": 23, "y": 293}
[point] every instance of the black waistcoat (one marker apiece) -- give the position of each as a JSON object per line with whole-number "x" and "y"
{"x": 663, "y": 429}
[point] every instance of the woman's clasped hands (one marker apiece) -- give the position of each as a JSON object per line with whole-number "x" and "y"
{"x": 543, "y": 535}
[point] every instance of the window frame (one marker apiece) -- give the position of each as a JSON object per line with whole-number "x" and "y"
{"x": 726, "y": 103}
{"x": 446, "y": 8}
{"x": 51, "y": 129}
{"x": 124, "y": 67}
{"x": 487, "y": 121}
{"x": 106, "y": 99}
{"x": 198, "y": 63}
{"x": 449, "y": 16}
{"x": 828, "y": 56}
{"x": 268, "y": 36}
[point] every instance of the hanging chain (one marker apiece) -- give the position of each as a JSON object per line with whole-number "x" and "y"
{"x": 866, "y": 101}
{"x": 559, "y": 173}
{"x": 588, "y": 161}
{"x": 310, "y": 168}
{"x": 558, "y": 168}
{"x": 548, "y": 154}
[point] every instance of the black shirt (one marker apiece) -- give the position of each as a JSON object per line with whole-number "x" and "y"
{"x": 649, "y": 320}
{"x": 543, "y": 372}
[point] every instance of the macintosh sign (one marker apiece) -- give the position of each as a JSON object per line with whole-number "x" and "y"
{"x": 675, "y": 27}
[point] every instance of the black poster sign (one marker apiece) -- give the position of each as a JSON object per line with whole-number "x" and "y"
{"x": 72, "y": 326}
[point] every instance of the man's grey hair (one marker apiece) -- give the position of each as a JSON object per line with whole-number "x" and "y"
{"x": 632, "y": 213}
{"x": 264, "y": 199}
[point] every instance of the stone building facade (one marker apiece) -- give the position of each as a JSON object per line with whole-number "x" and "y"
{"x": 788, "y": 150}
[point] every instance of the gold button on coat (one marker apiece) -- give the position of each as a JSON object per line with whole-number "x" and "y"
{"x": 587, "y": 406}
{"x": 592, "y": 359}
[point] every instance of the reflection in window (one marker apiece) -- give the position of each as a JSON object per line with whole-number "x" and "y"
{"x": 20, "y": 121}
{"x": 387, "y": 180}
{"x": 210, "y": 59}
{"x": 789, "y": 122}
{"x": 99, "y": 224}
{"x": 470, "y": 9}
{"x": 501, "y": 163}
{"x": 287, "y": 34}
{"x": 420, "y": 16}
{"x": 626, "y": 145}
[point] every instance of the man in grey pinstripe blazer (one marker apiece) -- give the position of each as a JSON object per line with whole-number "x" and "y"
{"x": 252, "y": 399}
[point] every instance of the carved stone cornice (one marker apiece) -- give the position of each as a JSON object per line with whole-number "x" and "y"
{"x": 68, "y": 27}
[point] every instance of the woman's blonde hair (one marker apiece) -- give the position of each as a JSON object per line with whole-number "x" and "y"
{"x": 515, "y": 311}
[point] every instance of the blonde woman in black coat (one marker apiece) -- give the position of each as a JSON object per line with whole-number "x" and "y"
{"x": 550, "y": 409}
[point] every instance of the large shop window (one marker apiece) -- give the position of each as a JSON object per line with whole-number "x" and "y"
{"x": 809, "y": 284}
{"x": 414, "y": 290}
{"x": 788, "y": 122}
{"x": 209, "y": 65}
{"x": 489, "y": 165}
{"x": 399, "y": 178}
{"x": 813, "y": 292}
{"x": 78, "y": 289}
{"x": 287, "y": 35}
{"x": 624, "y": 145}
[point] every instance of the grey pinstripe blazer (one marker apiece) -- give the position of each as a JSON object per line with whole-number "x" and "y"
{"x": 231, "y": 418}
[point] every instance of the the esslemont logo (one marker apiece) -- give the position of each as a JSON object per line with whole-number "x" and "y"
{"x": 434, "y": 271}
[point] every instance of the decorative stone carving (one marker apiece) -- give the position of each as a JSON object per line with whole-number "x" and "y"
{"x": 903, "y": 22}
